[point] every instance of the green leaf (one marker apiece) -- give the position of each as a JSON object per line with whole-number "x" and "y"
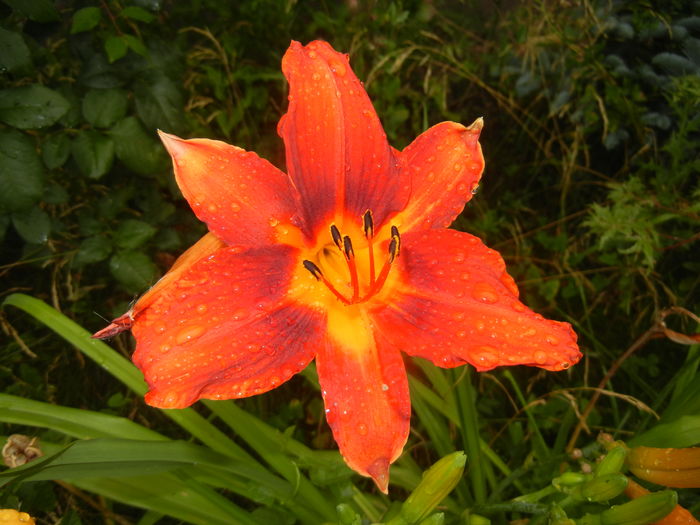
{"x": 54, "y": 193}
{"x": 137, "y": 13}
{"x": 159, "y": 102}
{"x": 55, "y": 150}
{"x": 135, "y": 45}
{"x": 103, "y": 107}
{"x": 134, "y": 270}
{"x": 31, "y": 107}
{"x": 21, "y": 172}
{"x": 33, "y": 225}
{"x": 85, "y": 19}
{"x": 115, "y": 47}
{"x": 135, "y": 148}
{"x": 681, "y": 433}
{"x": 92, "y": 250}
{"x": 37, "y": 10}
{"x": 93, "y": 152}
{"x": 133, "y": 233}
{"x": 14, "y": 53}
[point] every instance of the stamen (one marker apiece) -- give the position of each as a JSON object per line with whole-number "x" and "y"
{"x": 393, "y": 249}
{"x": 350, "y": 257}
{"x": 395, "y": 235}
{"x": 368, "y": 224}
{"x": 316, "y": 272}
{"x": 335, "y": 234}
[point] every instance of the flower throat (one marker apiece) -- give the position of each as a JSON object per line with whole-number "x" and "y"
{"x": 344, "y": 244}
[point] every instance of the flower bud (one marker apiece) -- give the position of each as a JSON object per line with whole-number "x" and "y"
{"x": 601, "y": 488}
{"x": 438, "y": 481}
{"x": 613, "y": 461}
{"x": 671, "y": 467}
{"x": 641, "y": 511}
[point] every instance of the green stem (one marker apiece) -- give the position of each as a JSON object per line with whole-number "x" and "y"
{"x": 466, "y": 408}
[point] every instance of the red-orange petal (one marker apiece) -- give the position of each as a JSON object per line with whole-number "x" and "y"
{"x": 204, "y": 247}
{"x": 337, "y": 153}
{"x": 241, "y": 197}
{"x": 455, "y": 303}
{"x": 365, "y": 391}
{"x": 444, "y": 165}
{"x": 226, "y": 329}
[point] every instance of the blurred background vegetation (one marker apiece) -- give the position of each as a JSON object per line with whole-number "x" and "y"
{"x": 591, "y": 190}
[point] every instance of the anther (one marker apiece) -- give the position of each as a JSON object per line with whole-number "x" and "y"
{"x": 315, "y": 270}
{"x": 368, "y": 224}
{"x": 347, "y": 248}
{"x": 337, "y": 238}
{"x": 393, "y": 249}
{"x": 395, "y": 235}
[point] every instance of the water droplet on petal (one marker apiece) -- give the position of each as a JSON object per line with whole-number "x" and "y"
{"x": 552, "y": 340}
{"x": 337, "y": 68}
{"x": 201, "y": 308}
{"x": 362, "y": 429}
{"x": 540, "y": 358}
{"x": 188, "y": 333}
{"x": 235, "y": 207}
{"x": 485, "y": 293}
{"x": 385, "y": 387}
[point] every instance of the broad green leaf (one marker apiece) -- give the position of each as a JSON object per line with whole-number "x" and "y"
{"x": 137, "y": 474}
{"x": 92, "y": 250}
{"x": 683, "y": 432}
{"x": 55, "y": 150}
{"x": 134, "y": 270}
{"x": 37, "y": 10}
{"x": 133, "y": 233}
{"x": 159, "y": 102}
{"x": 136, "y": 148}
{"x": 137, "y": 13}
{"x": 103, "y": 107}
{"x": 85, "y": 19}
{"x": 14, "y": 53}
{"x": 33, "y": 225}
{"x": 21, "y": 172}
{"x": 31, "y": 107}
{"x": 115, "y": 47}
{"x": 79, "y": 423}
{"x": 93, "y": 152}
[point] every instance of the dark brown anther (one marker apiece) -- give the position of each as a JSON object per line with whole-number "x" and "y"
{"x": 347, "y": 247}
{"x": 395, "y": 235}
{"x": 393, "y": 249}
{"x": 315, "y": 270}
{"x": 337, "y": 238}
{"x": 368, "y": 224}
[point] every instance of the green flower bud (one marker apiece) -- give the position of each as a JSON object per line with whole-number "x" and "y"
{"x": 601, "y": 488}
{"x": 569, "y": 480}
{"x": 438, "y": 481}
{"x": 640, "y": 511}
{"x": 613, "y": 461}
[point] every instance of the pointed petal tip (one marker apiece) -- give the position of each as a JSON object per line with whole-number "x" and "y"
{"x": 476, "y": 126}
{"x": 379, "y": 472}
{"x": 171, "y": 142}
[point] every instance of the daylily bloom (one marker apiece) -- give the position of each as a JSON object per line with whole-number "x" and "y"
{"x": 344, "y": 259}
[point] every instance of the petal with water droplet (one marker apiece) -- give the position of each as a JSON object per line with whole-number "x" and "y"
{"x": 443, "y": 164}
{"x": 437, "y": 315}
{"x": 234, "y": 191}
{"x": 337, "y": 152}
{"x": 232, "y": 347}
{"x": 365, "y": 393}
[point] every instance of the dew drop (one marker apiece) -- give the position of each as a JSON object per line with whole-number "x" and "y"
{"x": 362, "y": 429}
{"x": 188, "y": 334}
{"x": 273, "y": 222}
{"x": 312, "y": 54}
{"x": 485, "y": 293}
{"x": 475, "y": 188}
{"x": 316, "y": 76}
{"x": 212, "y": 208}
{"x": 337, "y": 68}
{"x": 552, "y": 340}
{"x": 235, "y": 207}
{"x": 457, "y": 166}
{"x": 385, "y": 387}
{"x": 518, "y": 307}
{"x": 540, "y": 358}
{"x": 201, "y": 308}
{"x": 465, "y": 276}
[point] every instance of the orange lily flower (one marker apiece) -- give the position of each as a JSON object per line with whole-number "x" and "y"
{"x": 345, "y": 259}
